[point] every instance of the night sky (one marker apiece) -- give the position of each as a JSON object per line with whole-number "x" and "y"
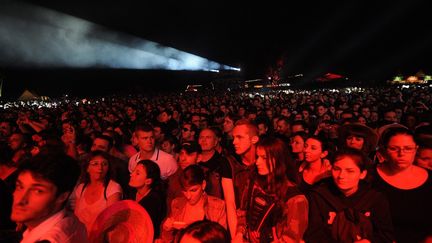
{"x": 359, "y": 39}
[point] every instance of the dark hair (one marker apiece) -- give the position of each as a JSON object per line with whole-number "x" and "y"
{"x": 153, "y": 172}
{"x": 278, "y": 152}
{"x": 206, "y": 232}
{"x": 233, "y": 117}
{"x": 144, "y": 128}
{"x": 391, "y": 132}
{"x": 58, "y": 168}
{"x": 357, "y": 156}
{"x": 107, "y": 138}
{"x": 191, "y": 176}
{"x": 85, "y": 178}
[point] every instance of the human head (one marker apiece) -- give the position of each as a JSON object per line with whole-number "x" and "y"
{"x": 102, "y": 143}
{"x": 272, "y": 157}
{"x": 145, "y": 137}
{"x": 189, "y": 131}
{"x": 193, "y": 183}
{"x": 424, "y": 157}
{"x": 208, "y": 140}
{"x": 188, "y": 154}
{"x": 349, "y": 167}
{"x": 298, "y": 140}
{"x": 283, "y": 126}
{"x": 97, "y": 167}
{"x": 316, "y": 149}
{"x": 299, "y": 126}
{"x": 245, "y": 136}
{"x": 18, "y": 141}
{"x": 390, "y": 116}
{"x": 43, "y": 186}
{"x": 169, "y": 144}
{"x": 229, "y": 122}
{"x": 203, "y": 232}
{"x": 263, "y": 125}
{"x": 6, "y": 129}
{"x": 398, "y": 147}
{"x": 145, "y": 174}
{"x": 358, "y": 136}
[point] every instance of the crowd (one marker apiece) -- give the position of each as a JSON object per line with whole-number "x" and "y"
{"x": 347, "y": 165}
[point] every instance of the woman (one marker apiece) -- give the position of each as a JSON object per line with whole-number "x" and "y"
{"x": 358, "y": 136}
{"x": 315, "y": 166}
{"x": 276, "y": 211}
{"x": 194, "y": 205}
{"x": 203, "y": 231}
{"x": 297, "y": 146}
{"x": 406, "y": 185}
{"x": 97, "y": 191}
{"x": 330, "y": 201}
{"x": 145, "y": 178}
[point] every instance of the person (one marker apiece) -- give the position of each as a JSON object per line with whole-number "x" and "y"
{"x": 147, "y": 150}
{"x": 246, "y": 137}
{"x": 358, "y": 136}
{"x": 42, "y": 189}
{"x": 406, "y": 185}
{"x": 315, "y": 166}
{"x": 347, "y": 190}
{"x": 96, "y": 191}
{"x": 215, "y": 166}
{"x": 146, "y": 180}
{"x": 424, "y": 157}
{"x": 188, "y": 156}
{"x": 297, "y": 145}
{"x": 276, "y": 211}
{"x": 194, "y": 205}
{"x": 203, "y": 231}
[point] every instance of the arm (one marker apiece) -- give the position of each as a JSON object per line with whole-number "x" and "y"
{"x": 114, "y": 198}
{"x": 295, "y": 219}
{"x": 114, "y": 193}
{"x": 228, "y": 191}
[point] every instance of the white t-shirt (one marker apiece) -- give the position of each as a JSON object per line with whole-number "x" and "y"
{"x": 87, "y": 213}
{"x": 167, "y": 163}
{"x": 62, "y": 227}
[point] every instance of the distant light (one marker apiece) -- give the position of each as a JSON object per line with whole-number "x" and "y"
{"x": 236, "y": 69}
{"x": 405, "y": 86}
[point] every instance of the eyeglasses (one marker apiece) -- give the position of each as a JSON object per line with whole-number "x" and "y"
{"x": 393, "y": 149}
{"x": 98, "y": 162}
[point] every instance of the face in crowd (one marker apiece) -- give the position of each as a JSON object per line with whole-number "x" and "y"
{"x": 400, "y": 151}
{"x": 35, "y": 199}
{"x": 145, "y": 140}
{"x": 297, "y": 144}
{"x": 347, "y": 174}
{"x": 243, "y": 140}
{"x": 313, "y": 150}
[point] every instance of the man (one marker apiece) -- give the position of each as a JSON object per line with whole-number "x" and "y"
{"x": 188, "y": 132}
{"x": 43, "y": 186}
{"x": 147, "y": 150}
{"x": 213, "y": 163}
{"x": 245, "y": 139}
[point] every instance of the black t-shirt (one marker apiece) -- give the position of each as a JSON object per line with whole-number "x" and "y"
{"x": 219, "y": 164}
{"x": 411, "y": 210}
{"x": 156, "y": 208}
